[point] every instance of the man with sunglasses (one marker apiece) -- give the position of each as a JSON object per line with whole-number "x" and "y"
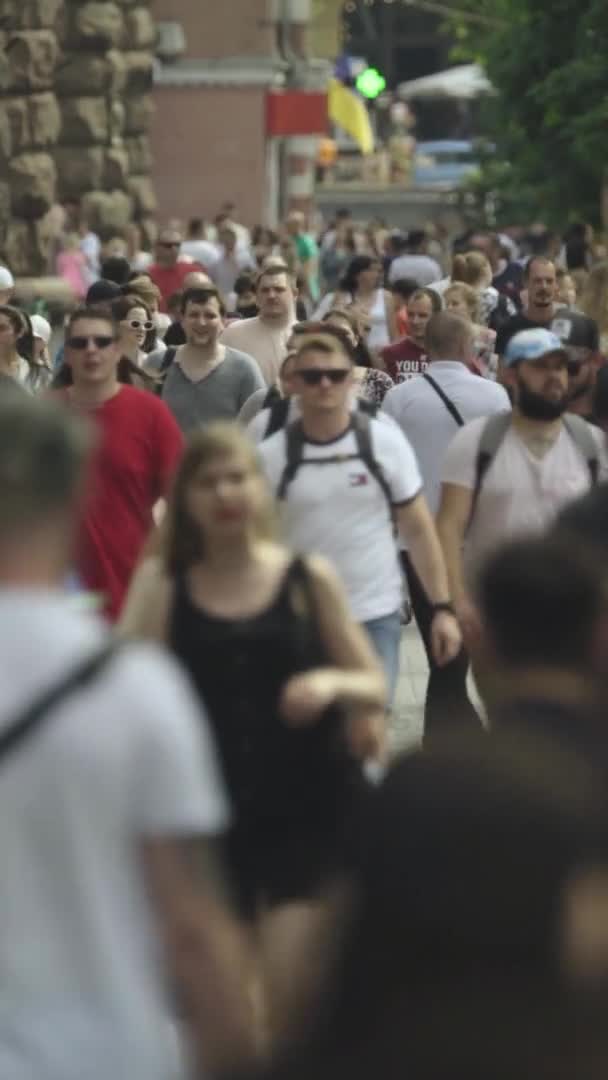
{"x": 167, "y": 271}
{"x": 139, "y": 446}
{"x": 356, "y": 477}
{"x": 510, "y": 475}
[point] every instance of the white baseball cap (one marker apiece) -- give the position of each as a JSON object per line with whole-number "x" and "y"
{"x": 41, "y": 328}
{"x": 7, "y": 280}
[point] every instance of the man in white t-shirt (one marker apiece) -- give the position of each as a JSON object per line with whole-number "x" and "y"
{"x": 341, "y": 476}
{"x": 104, "y": 809}
{"x": 544, "y": 459}
{"x": 429, "y": 410}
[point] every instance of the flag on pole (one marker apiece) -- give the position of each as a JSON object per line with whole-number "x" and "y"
{"x": 348, "y": 111}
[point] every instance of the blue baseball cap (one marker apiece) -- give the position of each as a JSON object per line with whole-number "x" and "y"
{"x": 531, "y": 345}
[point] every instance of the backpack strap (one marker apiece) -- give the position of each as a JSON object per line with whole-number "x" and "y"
{"x": 449, "y": 404}
{"x": 363, "y": 435}
{"x": 34, "y": 715}
{"x": 492, "y": 435}
{"x": 581, "y": 434}
{"x": 163, "y": 370}
{"x": 279, "y": 412}
{"x": 294, "y": 445}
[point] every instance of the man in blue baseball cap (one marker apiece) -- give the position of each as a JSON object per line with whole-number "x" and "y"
{"x": 510, "y": 474}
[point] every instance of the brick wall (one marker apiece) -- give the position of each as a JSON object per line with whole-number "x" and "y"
{"x": 209, "y": 146}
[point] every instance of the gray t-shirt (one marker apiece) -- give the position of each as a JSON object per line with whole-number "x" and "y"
{"x": 219, "y": 396}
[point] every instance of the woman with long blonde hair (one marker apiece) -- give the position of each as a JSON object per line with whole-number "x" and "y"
{"x": 293, "y": 691}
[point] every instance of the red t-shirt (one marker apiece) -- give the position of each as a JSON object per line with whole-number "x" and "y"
{"x": 139, "y": 448}
{"x": 404, "y": 359}
{"x": 169, "y": 279}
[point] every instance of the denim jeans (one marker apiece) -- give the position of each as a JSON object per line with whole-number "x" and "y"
{"x": 385, "y": 635}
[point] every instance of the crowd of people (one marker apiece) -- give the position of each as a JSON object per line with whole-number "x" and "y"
{"x": 226, "y": 483}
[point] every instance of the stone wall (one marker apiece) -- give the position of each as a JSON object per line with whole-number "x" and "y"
{"x": 75, "y": 108}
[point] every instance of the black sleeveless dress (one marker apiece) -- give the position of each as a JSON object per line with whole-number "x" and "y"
{"x": 294, "y": 791}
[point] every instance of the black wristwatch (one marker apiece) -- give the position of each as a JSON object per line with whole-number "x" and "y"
{"x": 445, "y": 605}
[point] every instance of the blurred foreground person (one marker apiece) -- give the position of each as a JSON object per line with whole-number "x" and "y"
{"x": 476, "y": 944}
{"x": 544, "y": 611}
{"x": 294, "y": 693}
{"x": 109, "y": 788}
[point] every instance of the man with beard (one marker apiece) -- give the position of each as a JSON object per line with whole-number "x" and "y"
{"x": 540, "y": 285}
{"x": 510, "y": 476}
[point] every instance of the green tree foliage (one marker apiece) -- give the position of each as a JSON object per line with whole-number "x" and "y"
{"x": 548, "y": 59}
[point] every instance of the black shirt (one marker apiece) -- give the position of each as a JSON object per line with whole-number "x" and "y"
{"x": 513, "y": 326}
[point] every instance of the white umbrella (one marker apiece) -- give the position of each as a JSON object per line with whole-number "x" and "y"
{"x": 465, "y": 82}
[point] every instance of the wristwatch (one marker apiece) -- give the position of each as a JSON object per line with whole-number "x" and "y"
{"x": 444, "y": 605}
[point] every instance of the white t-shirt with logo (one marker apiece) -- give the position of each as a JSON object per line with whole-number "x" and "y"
{"x": 520, "y": 493}
{"x": 340, "y": 511}
{"x": 83, "y": 991}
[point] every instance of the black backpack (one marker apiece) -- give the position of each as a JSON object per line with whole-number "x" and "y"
{"x": 361, "y": 426}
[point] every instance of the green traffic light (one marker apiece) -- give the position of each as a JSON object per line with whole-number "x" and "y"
{"x": 370, "y": 83}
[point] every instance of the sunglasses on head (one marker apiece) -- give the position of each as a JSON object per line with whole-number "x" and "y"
{"x": 137, "y": 324}
{"x": 100, "y": 341}
{"x": 313, "y": 376}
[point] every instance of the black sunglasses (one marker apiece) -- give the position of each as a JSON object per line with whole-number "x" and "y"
{"x": 169, "y": 243}
{"x": 313, "y": 376}
{"x": 100, "y": 341}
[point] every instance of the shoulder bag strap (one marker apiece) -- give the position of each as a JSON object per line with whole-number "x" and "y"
{"x": 453, "y": 411}
{"x": 34, "y": 715}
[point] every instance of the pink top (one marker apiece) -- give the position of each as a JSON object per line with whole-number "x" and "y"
{"x": 72, "y": 267}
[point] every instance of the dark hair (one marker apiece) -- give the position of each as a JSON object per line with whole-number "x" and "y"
{"x": 195, "y": 226}
{"x": 585, "y": 521}
{"x": 16, "y": 318}
{"x": 541, "y": 600}
{"x": 415, "y": 238}
{"x": 201, "y": 296}
{"x": 122, "y": 307}
{"x": 429, "y": 294}
{"x": 356, "y": 266}
{"x": 20, "y": 322}
{"x": 461, "y": 917}
{"x": 244, "y": 283}
{"x": 103, "y": 292}
{"x": 529, "y": 264}
{"x": 362, "y": 355}
{"x": 404, "y": 287}
{"x": 116, "y": 269}
{"x": 63, "y": 377}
